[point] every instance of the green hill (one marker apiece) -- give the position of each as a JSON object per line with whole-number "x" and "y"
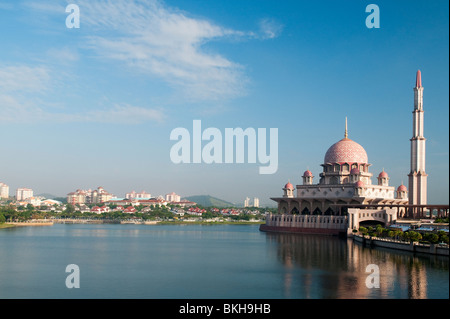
{"x": 208, "y": 201}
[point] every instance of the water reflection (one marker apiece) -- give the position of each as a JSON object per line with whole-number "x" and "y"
{"x": 334, "y": 268}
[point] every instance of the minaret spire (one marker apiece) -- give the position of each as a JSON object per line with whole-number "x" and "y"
{"x": 418, "y": 79}
{"x": 346, "y": 131}
{"x": 417, "y": 175}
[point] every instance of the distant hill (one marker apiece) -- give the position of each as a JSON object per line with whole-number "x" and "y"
{"x": 208, "y": 201}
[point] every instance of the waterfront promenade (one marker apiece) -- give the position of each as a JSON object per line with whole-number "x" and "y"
{"x": 415, "y": 247}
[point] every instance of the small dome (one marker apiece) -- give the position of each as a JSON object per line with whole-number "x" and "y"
{"x": 354, "y": 171}
{"x": 307, "y": 173}
{"x": 359, "y": 184}
{"x": 402, "y": 188}
{"x": 289, "y": 186}
{"x": 383, "y": 174}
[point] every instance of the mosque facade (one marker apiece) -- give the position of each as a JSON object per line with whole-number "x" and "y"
{"x": 323, "y": 204}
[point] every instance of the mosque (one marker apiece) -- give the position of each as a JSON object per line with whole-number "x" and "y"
{"x": 327, "y": 206}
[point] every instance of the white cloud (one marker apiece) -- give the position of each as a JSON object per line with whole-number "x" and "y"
{"x": 23, "y": 89}
{"x": 23, "y": 78}
{"x": 270, "y": 28}
{"x": 126, "y": 114}
{"x": 63, "y": 55}
{"x": 165, "y": 43}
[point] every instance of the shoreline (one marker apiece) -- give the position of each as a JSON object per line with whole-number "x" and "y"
{"x": 210, "y": 222}
{"x": 148, "y": 222}
{"x": 6, "y": 225}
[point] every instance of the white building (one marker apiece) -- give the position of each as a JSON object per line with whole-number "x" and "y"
{"x": 247, "y": 202}
{"x": 172, "y": 197}
{"x": 4, "y": 191}
{"x": 256, "y": 202}
{"x": 24, "y": 193}
{"x": 99, "y": 195}
{"x": 141, "y": 195}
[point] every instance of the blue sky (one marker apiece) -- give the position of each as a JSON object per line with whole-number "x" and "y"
{"x": 95, "y": 106}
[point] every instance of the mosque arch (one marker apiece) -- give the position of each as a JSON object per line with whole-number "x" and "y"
{"x": 334, "y": 180}
{"x": 329, "y": 211}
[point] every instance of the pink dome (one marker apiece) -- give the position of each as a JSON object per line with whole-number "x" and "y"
{"x": 289, "y": 186}
{"x": 354, "y": 171}
{"x": 402, "y": 188}
{"x": 307, "y": 173}
{"x": 383, "y": 174}
{"x": 346, "y": 151}
{"x": 359, "y": 184}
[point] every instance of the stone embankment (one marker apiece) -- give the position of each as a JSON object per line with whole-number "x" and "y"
{"x": 415, "y": 247}
{"x": 33, "y": 222}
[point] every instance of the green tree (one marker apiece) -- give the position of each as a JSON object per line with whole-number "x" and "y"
{"x": 414, "y": 236}
{"x": 433, "y": 238}
{"x": 443, "y": 237}
{"x": 70, "y": 209}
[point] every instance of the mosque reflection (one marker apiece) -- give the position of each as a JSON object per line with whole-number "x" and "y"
{"x": 325, "y": 267}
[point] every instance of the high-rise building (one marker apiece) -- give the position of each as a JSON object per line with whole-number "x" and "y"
{"x": 77, "y": 197}
{"x": 256, "y": 202}
{"x": 417, "y": 175}
{"x": 24, "y": 193}
{"x": 247, "y": 202}
{"x": 141, "y": 195}
{"x": 100, "y": 195}
{"x": 4, "y": 191}
{"x": 172, "y": 197}
{"x": 96, "y": 196}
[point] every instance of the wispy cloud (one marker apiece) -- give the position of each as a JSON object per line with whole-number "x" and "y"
{"x": 148, "y": 37}
{"x": 125, "y": 114}
{"x": 23, "y": 78}
{"x": 22, "y": 95}
{"x": 166, "y": 43}
{"x": 270, "y": 28}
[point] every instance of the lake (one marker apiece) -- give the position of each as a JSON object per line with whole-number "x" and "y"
{"x": 206, "y": 262}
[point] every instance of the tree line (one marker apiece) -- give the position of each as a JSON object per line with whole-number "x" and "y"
{"x": 410, "y": 235}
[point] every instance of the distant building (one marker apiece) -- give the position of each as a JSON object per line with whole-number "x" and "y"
{"x": 129, "y": 210}
{"x": 50, "y": 202}
{"x": 247, "y": 202}
{"x": 172, "y": 197}
{"x": 256, "y": 202}
{"x": 141, "y": 195}
{"x": 100, "y": 195}
{"x": 4, "y": 191}
{"x": 23, "y": 193}
{"x": 184, "y": 203}
{"x": 34, "y": 200}
{"x": 99, "y": 210}
{"x": 135, "y": 202}
{"x": 77, "y": 197}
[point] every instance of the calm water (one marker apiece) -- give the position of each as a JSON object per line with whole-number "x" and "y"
{"x": 212, "y": 262}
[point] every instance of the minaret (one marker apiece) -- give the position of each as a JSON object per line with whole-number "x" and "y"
{"x": 417, "y": 176}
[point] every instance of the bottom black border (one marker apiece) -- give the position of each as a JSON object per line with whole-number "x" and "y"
{"x": 221, "y": 308}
